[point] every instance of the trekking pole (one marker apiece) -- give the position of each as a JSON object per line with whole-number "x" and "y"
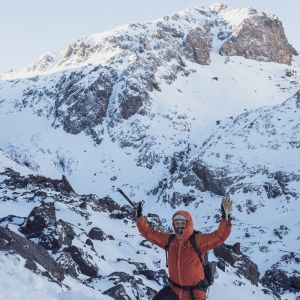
{"x": 127, "y": 198}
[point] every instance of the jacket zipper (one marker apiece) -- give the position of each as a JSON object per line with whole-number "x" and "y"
{"x": 178, "y": 267}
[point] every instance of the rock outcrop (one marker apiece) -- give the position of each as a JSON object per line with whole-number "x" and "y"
{"x": 262, "y": 38}
{"x": 84, "y": 263}
{"x": 198, "y": 44}
{"x": 279, "y": 280}
{"x": 234, "y": 256}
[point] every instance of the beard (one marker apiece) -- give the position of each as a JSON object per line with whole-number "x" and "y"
{"x": 179, "y": 230}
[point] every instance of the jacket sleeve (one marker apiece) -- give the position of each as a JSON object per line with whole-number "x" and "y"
{"x": 154, "y": 236}
{"x": 207, "y": 241}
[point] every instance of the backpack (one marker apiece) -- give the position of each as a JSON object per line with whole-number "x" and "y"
{"x": 209, "y": 268}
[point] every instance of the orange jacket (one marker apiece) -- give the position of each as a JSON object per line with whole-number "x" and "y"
{"x": 185, "y": 267}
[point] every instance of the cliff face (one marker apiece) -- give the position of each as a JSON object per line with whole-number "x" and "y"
{"x": 262, "y": 38}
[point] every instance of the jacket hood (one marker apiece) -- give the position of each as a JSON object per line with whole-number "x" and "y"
{"x": 189, "y": 224}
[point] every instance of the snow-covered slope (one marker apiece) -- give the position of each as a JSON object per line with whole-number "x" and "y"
{"x": 94, "y": 243}
{"x": 178, "y": 111}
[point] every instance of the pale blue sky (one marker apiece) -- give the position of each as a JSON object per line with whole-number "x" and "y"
{"x": 30, "y": 28}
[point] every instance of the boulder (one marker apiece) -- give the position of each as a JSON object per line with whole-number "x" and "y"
{"x": 11, "y": 241}
{"x": 41, "y": 224}
{"x": 98, "y": 234}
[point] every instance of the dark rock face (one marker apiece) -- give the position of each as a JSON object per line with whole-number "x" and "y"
{"x": 178, "y": 198}
{"x": 98, "y": 234}
{"x": 233, "y": 256}
{"x": 41, "y": 224}
{"x": 158, "y": 276}
{"x": 297, "y": 97}
{"x": 131, "y": 99}
{"x": 121, "y": 278}
{"x": 38, "y": 219}
{"x": 117, "y": 292}
{"x": 278, "y": 279}
{"x": 65, "y": 233}
{"x": 209, "y": 183}
{"x": 31, "y": 265}
{"x": 15, "y": 180}
{"x": 84, "y": 263}
{"x": 67, "y": 264}
{"x": 130, "y": 105}
{"x": 89, "y": 242}
{"x": 115, "y": 211}
{"x": 106, "y": 204}
{"x": 10, "y": 241}
{"x": 198, "y": 45}
{"x": 295, "y": 282}
{"x": 261, "y": 38}
{"x": 226, "y": 254}
{"x": 80, "y": 106}
{"x": 248, "y": 269}
{"x": 280, "y": 187}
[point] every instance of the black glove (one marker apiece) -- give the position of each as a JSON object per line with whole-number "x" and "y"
{"x": 139, "y": 209}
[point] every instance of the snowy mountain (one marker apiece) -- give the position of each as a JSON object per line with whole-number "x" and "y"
{"x": 179, "y": 112}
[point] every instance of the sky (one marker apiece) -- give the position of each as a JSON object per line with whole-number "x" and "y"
{"x": 31, "y": 28}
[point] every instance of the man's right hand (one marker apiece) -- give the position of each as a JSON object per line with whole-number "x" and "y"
{"x": 138, "y": 209}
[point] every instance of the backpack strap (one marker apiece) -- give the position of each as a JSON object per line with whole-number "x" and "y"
{"x": 195, "y": 246}
{"x": 171, "y": 238}
{"x": 204, "y": 261}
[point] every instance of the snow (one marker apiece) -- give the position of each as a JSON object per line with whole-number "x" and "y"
{"x": 18, "y": 283}
{"x": 231, "y": 91}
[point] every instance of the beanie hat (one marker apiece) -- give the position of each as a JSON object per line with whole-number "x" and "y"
{"x": 179, "y": 217}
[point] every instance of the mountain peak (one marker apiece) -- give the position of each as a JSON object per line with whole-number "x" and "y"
{"x": 237, "y": 32}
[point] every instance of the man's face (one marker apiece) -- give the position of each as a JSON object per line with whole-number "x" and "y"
{"x": 179, "y": 226}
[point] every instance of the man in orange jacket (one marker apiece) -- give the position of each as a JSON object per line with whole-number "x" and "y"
{"x": 186, "y": 272}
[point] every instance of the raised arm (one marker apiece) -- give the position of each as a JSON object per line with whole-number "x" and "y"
{"x": 154, "y": 236}
{"x": 207, "y": 241}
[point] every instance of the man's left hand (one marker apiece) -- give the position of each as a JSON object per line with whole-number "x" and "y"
{"x": 226, "y": 208}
